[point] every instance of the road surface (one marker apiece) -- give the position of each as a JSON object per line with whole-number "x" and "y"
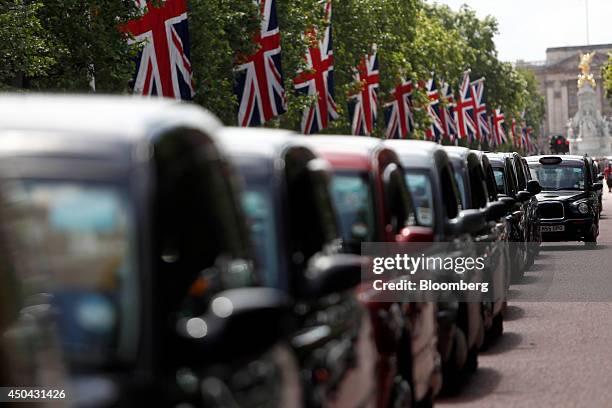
{"x": 553, "y": 354}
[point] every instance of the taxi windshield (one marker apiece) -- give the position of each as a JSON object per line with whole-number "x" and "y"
{"x": 257, "y": 202}
{"x": 461, "y": 186}
{"x": 500, "y": 179}
{"x": 422, "y": 195}
{"x": 79, "y": 244}
{"x": 352, "y": 196}
{"x": 562, "y": 176}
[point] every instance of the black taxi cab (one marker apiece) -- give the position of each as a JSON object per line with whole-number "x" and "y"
{"x": 568, "y": 204}
{"x": 288, "y": 204}
{"x": 432, "y": 181}
{"x": 128, "y": 219}
{"x": 474, "y": 183}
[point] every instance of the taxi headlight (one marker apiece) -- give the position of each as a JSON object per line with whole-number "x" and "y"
{"x": 583, "y": 208}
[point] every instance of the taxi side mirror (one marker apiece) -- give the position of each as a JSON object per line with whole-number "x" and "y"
{"x": 495, "y": 210}
{"x": 467, "y": 222}
{"x": 241, "y": 321}
{"x": 523, "y": 196}
{"x": 508, "y": 201}
{"x": 597, "y": 186}
{"x": 328, "y": 274}
{"x": 534, "y": 187}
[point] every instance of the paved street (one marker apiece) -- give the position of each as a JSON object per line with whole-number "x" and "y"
{"x": 553, "y": 354}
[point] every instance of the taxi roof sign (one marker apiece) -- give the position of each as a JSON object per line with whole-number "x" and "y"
{"x": 551, "y": 160}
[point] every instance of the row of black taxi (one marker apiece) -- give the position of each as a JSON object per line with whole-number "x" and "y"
{"x": 151, "y": 256}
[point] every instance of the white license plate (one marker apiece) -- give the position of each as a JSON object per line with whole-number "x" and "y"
{"x": 552, "y": 228}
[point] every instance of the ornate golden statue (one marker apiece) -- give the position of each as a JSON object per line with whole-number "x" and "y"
{"x": 585, "y": 67}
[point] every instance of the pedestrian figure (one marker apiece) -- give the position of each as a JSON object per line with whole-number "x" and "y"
{"x": 608, "y": 175}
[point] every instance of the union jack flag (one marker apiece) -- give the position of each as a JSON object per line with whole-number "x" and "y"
{"x": 482, "y": 129}
{"x": 163, "y": 66}
{"x": 318, "y": 80}
{"x": 436, "y": 130}
{"x": 493, "y": 139}
{"x": 448, "y": 113}
{"x": 526, "y": 135}
{"x": 465, "y": 110}
{"x": 498, "y": 119}
{"x": 398, "y": 112}
{"x": 522, "y": 131}
{"x": 515, "y": 137}
{"x": 259, "y": 82}
{"x": 362, "y": 105}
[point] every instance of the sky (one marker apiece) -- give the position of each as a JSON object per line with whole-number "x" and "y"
{"x": 528, "y": 27}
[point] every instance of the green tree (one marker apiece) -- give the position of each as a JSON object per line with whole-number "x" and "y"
{"x": 221, "y": 33}
{"x": 87, "y": 45}
{"x": 63, "y": 46}
{"x": 532, "y": 100}
{"x": 607, "y": 76}
{"x": 24, "y": 49}
{"x": 437, "y": 48}
{"x": 357, "y": 24}
{"x": 514, "y": 90}
{"x": 296, "y": 17}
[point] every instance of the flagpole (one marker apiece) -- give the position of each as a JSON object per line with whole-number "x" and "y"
{"x": 586, "y": 5}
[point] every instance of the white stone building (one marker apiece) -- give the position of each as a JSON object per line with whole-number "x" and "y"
{"x": 558, "y": 76}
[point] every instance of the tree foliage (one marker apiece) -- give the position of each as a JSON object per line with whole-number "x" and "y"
{"x": 607, "y": 77}
{"x": 64, "y": 45}
{"x": 532, "y": 101}
{"x": 25, "y": 46}
{"x": 220, "y": 31}
{"x": 295, "y": 18}
{"x": 357, "y": 25}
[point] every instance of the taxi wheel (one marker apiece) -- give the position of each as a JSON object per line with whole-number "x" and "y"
{"x": 530, "y": 261}
{"x": 427, "y": 402}
{"x": 498, "y": 325}
{"x": 452, "y": 378}
{"x": 495, "y": 331}
{"x": 517, "y": 267}
{"x": 471, "y": 365}
{"x": 590, "y": 241}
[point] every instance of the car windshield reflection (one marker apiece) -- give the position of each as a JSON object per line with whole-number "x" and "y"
{"x": 351, "y": 192}
{"x": 559, "y": 177}
{"x": 461, "y": 185}
{"x": 422, "y": 195}
{"x": 78, "y": 239}
{"x": 259, "y": 210}
{"x": 500, "y": 180}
